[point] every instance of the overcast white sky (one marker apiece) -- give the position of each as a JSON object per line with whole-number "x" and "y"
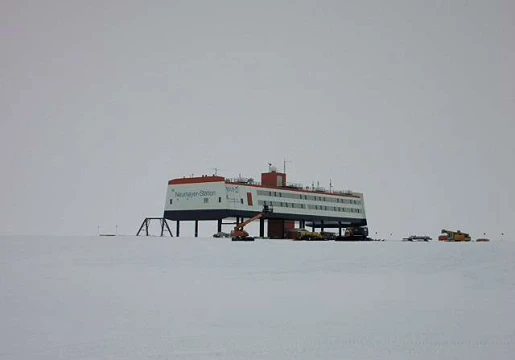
{"x": 410, "y": 102}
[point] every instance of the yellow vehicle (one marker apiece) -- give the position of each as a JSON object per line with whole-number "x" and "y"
{"x": 310, "y": 235}
{"x": 303, "y": 234}
{"x": 448, "y": 235}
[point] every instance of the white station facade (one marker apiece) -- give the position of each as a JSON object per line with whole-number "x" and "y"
{"x": 217, "y": 198}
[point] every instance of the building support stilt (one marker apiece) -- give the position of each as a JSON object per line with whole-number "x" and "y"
{"x": 164, "y": 224}
{"x": 145, "y": 225}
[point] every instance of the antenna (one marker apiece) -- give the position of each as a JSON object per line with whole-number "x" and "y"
{"x": 284, "y": 165}
{"x": 216, "y": 170}
{"x": 330, "y": 185}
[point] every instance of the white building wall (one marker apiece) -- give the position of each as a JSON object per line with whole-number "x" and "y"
{"x": 220, "y": 195}
{"x": 205, "y": 196}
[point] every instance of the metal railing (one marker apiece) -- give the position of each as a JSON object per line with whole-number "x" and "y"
{"x": 290, "y": 185}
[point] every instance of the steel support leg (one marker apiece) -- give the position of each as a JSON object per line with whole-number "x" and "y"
{"x": 139, "y": 231}
{"x": 167, "y": 227}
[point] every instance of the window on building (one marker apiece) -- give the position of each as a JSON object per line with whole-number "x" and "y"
{"x": 206, "y": 200}
{"x": 171, "y": 201}
{"x": 220, "y": 199}
{"x": 241, "y": 200}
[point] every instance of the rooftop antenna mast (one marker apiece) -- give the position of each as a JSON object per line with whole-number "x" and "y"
{"x": 216, "y": 170}
{"x": 284, "y": 165}
{"x": 330, "y": 185}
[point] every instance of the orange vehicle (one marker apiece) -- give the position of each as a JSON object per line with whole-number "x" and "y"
{"x": 448, "y": 235}
{"x": 239, "y": 233}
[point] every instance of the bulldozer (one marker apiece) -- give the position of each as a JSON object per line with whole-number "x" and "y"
{"x": 239, "y": 233}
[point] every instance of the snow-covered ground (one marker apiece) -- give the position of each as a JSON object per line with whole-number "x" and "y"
{"x": 184, "y": 298}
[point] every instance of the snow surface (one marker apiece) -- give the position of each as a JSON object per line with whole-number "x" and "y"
{"x": 185, "y": 298}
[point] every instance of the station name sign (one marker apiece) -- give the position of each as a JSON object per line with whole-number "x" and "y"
{"x": 203, "y": 192}
{"x": 191, "y": 194}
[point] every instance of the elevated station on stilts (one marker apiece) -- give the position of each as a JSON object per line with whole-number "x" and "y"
{"x": 216, "y": 198}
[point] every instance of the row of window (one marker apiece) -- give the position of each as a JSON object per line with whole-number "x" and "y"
{"x": 294, "y": 205}
{"x": 304, "y": 206}
{"x": 307, "y": 197}
{"x": 333, "y": 208}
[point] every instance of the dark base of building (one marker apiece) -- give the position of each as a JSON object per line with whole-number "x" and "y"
{"x": 311, "y": 220}
{"x": 278, "y": 224}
